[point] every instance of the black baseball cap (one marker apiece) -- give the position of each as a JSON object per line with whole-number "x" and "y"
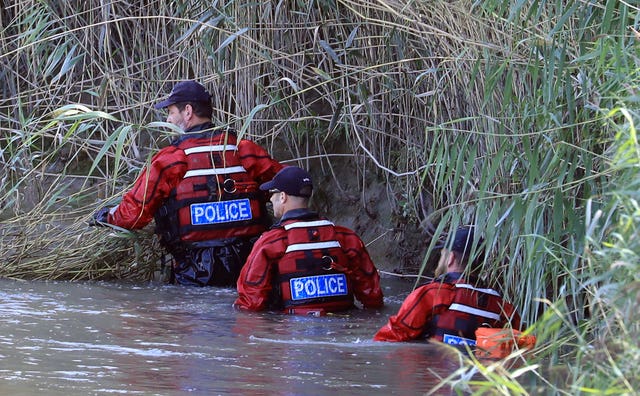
{"x": 461, "y": 241}
{"x": 185, "y": 91}
{"x": 291, "y": 180}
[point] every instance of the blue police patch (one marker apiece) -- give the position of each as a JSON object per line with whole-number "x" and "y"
{"x": 318, "y": 286}
{"x": 455, "y": 340}
{"x": 220, "y": 212}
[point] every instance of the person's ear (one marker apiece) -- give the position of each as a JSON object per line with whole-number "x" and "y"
{"x": 188, "y": 110}
{"x": 450, "y": 259}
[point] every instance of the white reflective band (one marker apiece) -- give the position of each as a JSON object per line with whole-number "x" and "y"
{"x": 205, "y": 149}
{"x": 214, "y": 171}
{"x": 302, "y": 224}
{"x": 312, "y": 245}
{"x": 488, "y": 291}
{"x": 474, "y": 311}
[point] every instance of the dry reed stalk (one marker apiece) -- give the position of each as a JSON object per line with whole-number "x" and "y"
{"x": 362, "y": 68}
{"x": 39, "y": 245}
{"x": 414, "y": 95}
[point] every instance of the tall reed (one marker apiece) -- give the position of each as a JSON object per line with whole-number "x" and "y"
{"x": 487, "y": 112}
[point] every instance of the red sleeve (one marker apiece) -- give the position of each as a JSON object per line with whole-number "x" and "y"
{"x": 152, "y": 187}
{"x": 258, "y": 163}
{"x": 254, "y": 283}
{"x": 363, "y": 274}
{"x": 414, "y": 314}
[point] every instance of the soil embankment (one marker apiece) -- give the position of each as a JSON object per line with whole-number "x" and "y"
{"x": 366, "y": 205}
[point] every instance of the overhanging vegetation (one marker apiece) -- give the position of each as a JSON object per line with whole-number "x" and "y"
{"x": 518, "y": 117}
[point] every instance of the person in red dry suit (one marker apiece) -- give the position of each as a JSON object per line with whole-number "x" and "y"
{"x": 452, "y": 306}
{"x": 202, "y": 190}
{"x": 305, "y": 264}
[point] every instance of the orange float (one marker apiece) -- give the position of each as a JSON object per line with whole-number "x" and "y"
{"x": 497, "y": 343}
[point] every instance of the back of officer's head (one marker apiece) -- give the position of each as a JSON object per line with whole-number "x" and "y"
{"x": 464, "y": 247}
{"x": 292, "y": 180}
{"x": 189, "y": 93}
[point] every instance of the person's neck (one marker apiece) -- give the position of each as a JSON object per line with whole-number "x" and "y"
{"x": 197, "y": 122}
{"x": 455, "y": 268}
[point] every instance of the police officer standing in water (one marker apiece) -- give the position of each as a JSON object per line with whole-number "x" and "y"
{"x": 452, "y": 306}
{"x": 305, "y": 264}
{"x": 202, "y": 190}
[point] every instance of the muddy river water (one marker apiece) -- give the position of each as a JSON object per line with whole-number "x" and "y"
{"x": 88, "y": 338}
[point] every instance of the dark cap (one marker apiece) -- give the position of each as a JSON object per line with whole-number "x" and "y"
{"x": 292, "y": 180}
{"x": 461, "y": 243}
{"x": 185, "y": 91}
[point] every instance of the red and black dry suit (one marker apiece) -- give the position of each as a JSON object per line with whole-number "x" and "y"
{"x": 307, "y": 265}
{"x": 448, "y": 309}
{"x": 203, "y": 192}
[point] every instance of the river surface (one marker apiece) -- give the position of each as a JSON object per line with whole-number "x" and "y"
{"x": 88, "y": 338}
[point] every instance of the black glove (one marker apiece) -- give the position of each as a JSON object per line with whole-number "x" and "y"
{"x": 100, "y": 217}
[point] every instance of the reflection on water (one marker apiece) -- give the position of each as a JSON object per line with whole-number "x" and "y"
{"x": 102, "y": 338}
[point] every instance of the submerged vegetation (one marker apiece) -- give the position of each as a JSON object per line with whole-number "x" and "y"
{"x": 519, "y": 117}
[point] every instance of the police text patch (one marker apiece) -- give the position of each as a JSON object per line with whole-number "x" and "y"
{"x": 318, "y": 286}
{"x": 456, "y": 340}
{"x": 220, "y": 212}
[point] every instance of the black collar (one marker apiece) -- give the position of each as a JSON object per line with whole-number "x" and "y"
{"x": 205, "y": 129}
{"x": 449, "y": 277}
{"x": 454, "y": 277}
{"x": 298, "y": 214}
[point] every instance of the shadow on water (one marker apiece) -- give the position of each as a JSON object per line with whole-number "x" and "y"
{"x": 103, "y": 338}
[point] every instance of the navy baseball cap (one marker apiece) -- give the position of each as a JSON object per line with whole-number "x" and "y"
{"x": 185, "y": 91}
{"x": 291, "y": 180}
{"x": 460, "y": 242}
